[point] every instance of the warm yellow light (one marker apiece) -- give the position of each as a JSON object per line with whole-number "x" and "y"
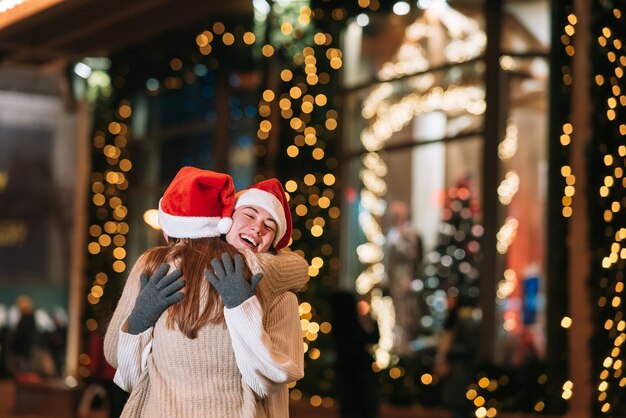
{"x": 566, "y": 322}
{"x": 331, "y": 124}
{"x": 296, "y": 124}
{"x": 307, "y": 107}
{"x": 286, "y": 28}
{"x": 284, "y": 103}
{"x": 119, "y": 240}
{"x": 267, "y": 50}
{"x": 318, "y": 153}
{"x": 104, "y": 240}
{"x": 329, "y": 179}
{"x": 249, "y": 38}
{"x": 295, "y": 394}
{"x": 219, "y": 28}
{"x": 295, "y": 92}
{"x": 286, "y": 75}
{"x": 119, "y": 266}
{"x": 335, "y": 63}
{"x": 264, "y": 110}
{"x": 309, "y": 179}
{"x": 292, "y": 151}
{"x": 317, "y": 262}
{"x": 151, "y": 217}
{"x": 125, "y": 165}
{"x": 119, "y": 253}
{"x": 265, "y": 126}
{"x": 93, "y": 248}
{"x": 320, "y": 100}
{"x": 301, "y": 210}
{"x": 316, "y": 400}
{"x": 314, "y": 353}
{"x": 125, "y": 111}
{"x": 572, "y": 19}
{"x": 97, "y": 291}
{"x": 323, "y": 202}
{"x": 291, "y": 186}
{"x": 317, "y": 230}
{"x": 319, "y": 38}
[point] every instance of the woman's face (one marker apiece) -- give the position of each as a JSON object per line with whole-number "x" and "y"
{"x": 253, "y": 228}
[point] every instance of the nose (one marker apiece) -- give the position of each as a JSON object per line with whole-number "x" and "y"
{"x": 256, "y": 227}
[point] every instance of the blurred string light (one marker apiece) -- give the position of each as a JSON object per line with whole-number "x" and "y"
{"x": 261, "y": 6}
{"x": 427, "y": 4}
{"x": 568, "y": 192}
{"x": 401, "y": 8}
{"x": 362, "y": 20}
{"x": 151, "y": 218}
{"x": 508, "y": 188}
{"x": 297, "y": 104}
{"x": 610, "y": 382}
{"x": 387, "y": 115}
{"x": 313, "y": 192}
{"x": 107, "y": 232}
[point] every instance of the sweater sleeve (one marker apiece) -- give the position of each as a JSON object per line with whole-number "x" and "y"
{"x": 122, "y": 311}
{"x": 283, "y": 272}
{"x": 132, "y": 356}
{"x": 268, "y": 346}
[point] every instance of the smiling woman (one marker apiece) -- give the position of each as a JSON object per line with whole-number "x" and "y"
{"x": 253, "y": 228}
{"x": 262, "y": 218}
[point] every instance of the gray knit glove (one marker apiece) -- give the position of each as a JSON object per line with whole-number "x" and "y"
{"x": 155, "y": 296}
{"x": 230, "y": 282}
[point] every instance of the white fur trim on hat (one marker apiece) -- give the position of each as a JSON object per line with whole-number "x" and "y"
{"x": 267, "y": 201}
{"x": 193, "y": 226}
{"x": 224, "y": 225}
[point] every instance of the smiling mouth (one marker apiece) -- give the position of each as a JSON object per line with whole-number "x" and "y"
{"x": 249, "y": 240}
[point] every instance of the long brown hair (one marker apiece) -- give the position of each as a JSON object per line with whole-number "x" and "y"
{"x": 193, "y": 257}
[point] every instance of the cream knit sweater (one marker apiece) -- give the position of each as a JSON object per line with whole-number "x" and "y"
{"x": 237, "y": 370}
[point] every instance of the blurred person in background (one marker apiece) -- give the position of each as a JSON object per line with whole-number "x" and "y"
{"x": 4, "y": 331}
{"x": 23, "y": 340}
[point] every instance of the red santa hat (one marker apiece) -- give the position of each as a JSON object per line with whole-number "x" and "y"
{"x": 270, "y": 195}
{"x": 197, "y": 204}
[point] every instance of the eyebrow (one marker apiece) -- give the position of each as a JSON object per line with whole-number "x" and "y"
{"x": 254, "y": 209}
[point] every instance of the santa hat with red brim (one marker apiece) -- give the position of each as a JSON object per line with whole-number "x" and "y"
{"x": 197, "y": 204}
{"x": 270, "y": 195}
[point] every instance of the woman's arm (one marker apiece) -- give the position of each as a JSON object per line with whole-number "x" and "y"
{"x": 122, "y": 311}
{"x": 132, "y": 357}
{"x": 283, "y": 272}
{"x": 268, "y": 345}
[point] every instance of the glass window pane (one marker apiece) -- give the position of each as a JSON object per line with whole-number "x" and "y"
{"x": 522, "y": 194}
{"x": 526, "y": 26}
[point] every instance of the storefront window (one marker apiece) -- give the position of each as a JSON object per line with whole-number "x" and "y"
{"x": 414, "y": 144}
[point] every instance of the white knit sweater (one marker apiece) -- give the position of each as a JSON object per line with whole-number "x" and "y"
{"x": 239, "y": 370}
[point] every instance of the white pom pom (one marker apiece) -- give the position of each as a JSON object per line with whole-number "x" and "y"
{"x": 224, "y": 225}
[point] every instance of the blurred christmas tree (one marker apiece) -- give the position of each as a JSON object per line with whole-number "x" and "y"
{"x": 451, "y": 268}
